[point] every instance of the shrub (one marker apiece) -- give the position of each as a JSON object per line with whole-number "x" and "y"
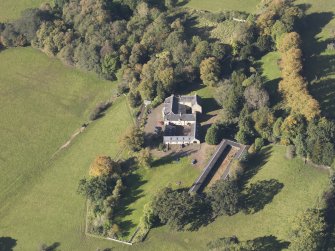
{"x": 290, "y": 151}
{"x": 259, "y": 143}
{"x": 99, "y": 109}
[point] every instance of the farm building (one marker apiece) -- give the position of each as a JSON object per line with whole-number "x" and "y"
{"x": 180, "y": 119}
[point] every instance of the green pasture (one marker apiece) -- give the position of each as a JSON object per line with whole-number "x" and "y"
{"x": 51, "y": 211}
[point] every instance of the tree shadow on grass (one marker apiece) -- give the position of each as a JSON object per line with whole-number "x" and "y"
{"x": 174, "y": 156}
{"x": 259, "y": 194}
{"x": 270, "y": 242}
{"x": 132, "y": 193}
{"x": 7, "y": 243}
{"x": 324, "y": 92}
{"x": 52, "y": 247}
{"x": 254, "y": 164}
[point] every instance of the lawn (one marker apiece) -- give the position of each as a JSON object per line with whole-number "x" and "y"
{"x": 144, "y": 184}
{"x": 285, "y": 188}
{"x": 249, "y": 6}
{"x": 10, "y": 10}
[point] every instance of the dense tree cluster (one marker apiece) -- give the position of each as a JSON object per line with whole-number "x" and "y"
{"x": 181, "y": 210}
{"x": 278, "y": 17}
{"x": 293, "y": 86}
{"x": 103, "y": 189}
{"x": 309, "y": 231}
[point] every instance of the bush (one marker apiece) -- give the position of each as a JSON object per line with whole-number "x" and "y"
{"x": 99, "y": 109}
{"x": 259, "y": 143}
{"x": 290, "y": 151}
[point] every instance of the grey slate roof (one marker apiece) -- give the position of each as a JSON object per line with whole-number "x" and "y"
{"x": 180, "y": 117}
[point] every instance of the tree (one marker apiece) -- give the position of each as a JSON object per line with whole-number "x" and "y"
{"x": 320, "y": 141}
{"x": 134, "y": 140}
{"x": 110, "y": 64}
{"x": 209, "y": 71}
{"x": 171, "y": 3}
{"x": 96, "y": 188}
{"x": 213, "y": 136}
{"x": 256, "y": 97}
{"x": 144, "y": 158}
{"x": 289, "y": 41}
{"x": 308, "y": 231}
{"x": 264, "y": 120}
{"x": 223, "y": 197}
{"x": 103, "y": 165}
{"x": 134, "y": 99}
{"x": 259, "y": 143}
{"x": 178, "y": 208}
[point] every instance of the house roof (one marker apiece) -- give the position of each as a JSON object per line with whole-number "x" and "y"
{"x": 180, "y": 117}
{"x": 173, "y": 104}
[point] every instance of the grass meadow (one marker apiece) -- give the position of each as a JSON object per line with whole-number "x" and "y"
{"x": 10, "y": 10}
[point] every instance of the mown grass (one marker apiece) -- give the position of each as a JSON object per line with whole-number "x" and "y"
{"x": 249, "y": 6}
{"x": 10, "y": 10}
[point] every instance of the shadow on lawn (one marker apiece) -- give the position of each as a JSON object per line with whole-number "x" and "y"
{"x": 259, "y": 194}
{"x": 270, "y": 242}
{"x": 7, "y": 243}
{"x": 265, "y": 243}
{"x": 132, "y": 182}
{"x": 52, "y": 247}
{"x": 318, "y": 68}
{"x": 254, "y": 164}
{"x": 174, "y": 156}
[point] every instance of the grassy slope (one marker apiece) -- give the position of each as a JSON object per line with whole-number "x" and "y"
{"x": 220, "y": 5}
{"x": 10, "y": 9}
{"x": 274, "y": 219}
{"x": 42, "y": 103}
{"x": 52, "y": 211}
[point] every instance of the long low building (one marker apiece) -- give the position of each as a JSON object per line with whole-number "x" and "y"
{"x": 180, "y": 120}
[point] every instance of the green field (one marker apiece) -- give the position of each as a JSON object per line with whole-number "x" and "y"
{"x": 249, "y": 6}
{"x": 10, "y": 10}
{"x": 42, "y": 104}
{"x": 51, "y": 211}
